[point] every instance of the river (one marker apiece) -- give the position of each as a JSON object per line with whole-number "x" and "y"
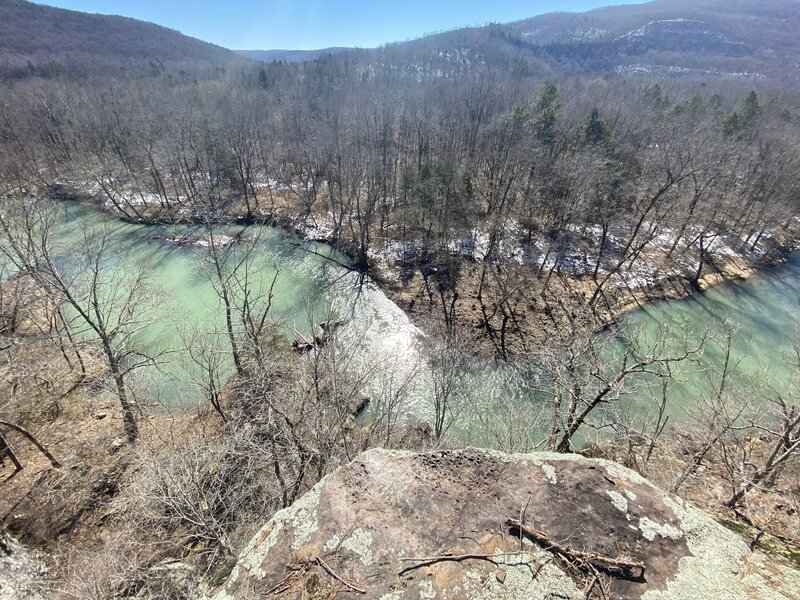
{"x": 762, "y": 312}
{"x": 311, "y": 284}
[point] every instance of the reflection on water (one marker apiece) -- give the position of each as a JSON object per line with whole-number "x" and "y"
{"x": 763, "y": 313}
{"x": 309, "y": 285}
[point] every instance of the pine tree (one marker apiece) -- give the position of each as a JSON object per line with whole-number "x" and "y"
{"x": 595, "y": 129}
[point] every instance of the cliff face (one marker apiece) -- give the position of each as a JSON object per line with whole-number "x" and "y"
{"x": 396, "y": 525}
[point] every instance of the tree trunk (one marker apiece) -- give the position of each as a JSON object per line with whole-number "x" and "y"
{"x": 128, "y": 417}
{"x": 7, "y": 452}
{"x": 32, "y": 440}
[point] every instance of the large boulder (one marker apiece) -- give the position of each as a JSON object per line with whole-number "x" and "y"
{"x": 395, "y": 525}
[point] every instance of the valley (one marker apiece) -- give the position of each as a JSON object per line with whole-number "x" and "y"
{"x": 541, "y": 274}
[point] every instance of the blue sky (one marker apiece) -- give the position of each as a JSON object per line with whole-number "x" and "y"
{"x": 307, "y": 24}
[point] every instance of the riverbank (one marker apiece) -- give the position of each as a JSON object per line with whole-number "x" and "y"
{"x": 78, "y": 512}
{"x": 533, "y": 318}
{"x": 524, "y": 292}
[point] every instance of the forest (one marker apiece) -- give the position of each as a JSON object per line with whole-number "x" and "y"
{"x": 516, "y": 218}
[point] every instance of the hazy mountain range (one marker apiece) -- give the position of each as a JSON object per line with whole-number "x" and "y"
{"x": 291, "y": 55}
{"x": 751, "y": 39}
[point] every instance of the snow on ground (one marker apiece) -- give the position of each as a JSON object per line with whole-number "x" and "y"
{"x": 269, "y": 183}
{"x": 316, "y": 229}
{"x": 121, "y": 193}
{"x": 396, "y": 251}
{"x": 575, "y": 251}
{"x": 135, "y": 198}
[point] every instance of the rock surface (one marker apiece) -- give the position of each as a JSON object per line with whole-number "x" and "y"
{"x": 366, "y": 527}
{"x": 22, "y": 571}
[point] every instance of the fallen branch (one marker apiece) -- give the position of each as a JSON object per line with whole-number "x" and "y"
{"x": 286, "y": 583}
{"x": 32, "y": 440}
{"x": 333, "y": 574}
{"x": 430, "y": 560}
{"x": 605, "y": 563}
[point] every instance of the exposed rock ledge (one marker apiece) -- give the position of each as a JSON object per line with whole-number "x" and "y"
{"x": 362, "y": 520}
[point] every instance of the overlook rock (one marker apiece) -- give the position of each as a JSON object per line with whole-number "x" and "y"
{"x": 384, "y": 525}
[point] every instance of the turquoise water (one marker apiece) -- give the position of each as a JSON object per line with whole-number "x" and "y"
{"x": 492, "y": 399}
{"x": 754, "y": 322}
{"x": 311, "y": 284}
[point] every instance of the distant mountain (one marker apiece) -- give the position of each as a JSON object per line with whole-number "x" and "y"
{"x": 745, "y": 39}
{"x": 37, "y": 39}
{"x": 290, "y": 55}
{"x": 753, "y": 39}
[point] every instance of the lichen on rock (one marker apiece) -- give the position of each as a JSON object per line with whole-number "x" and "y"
{"x": 618, "y": 500}
{"x": 360, "y": 542}
{"x": 390, "y": 523}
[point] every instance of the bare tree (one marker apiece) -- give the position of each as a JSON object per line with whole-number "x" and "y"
{"x": 592, "y": 370}
{"x": 776, "y": 427}
{"x": 207, "y": 364}
{"x": 109, "y": 300}
{"x": 448, "y": 397}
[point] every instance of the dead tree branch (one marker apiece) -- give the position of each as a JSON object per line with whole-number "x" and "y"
{"x": 33, "y": 441}
{"x": 333, "y": 574}
{"x": 599, "y": 561}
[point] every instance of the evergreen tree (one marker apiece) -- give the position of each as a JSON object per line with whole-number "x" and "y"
{"x": 751, "y": 110}
{"x": 548, "y": 106}
{"x": 263, "y": 82}
{"x": 595, "y": 129}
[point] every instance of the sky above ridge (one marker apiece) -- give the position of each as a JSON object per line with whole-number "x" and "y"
{"x": 311, "y": 24}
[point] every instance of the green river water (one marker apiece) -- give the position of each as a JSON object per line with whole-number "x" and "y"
{"x": 763, "y": 312}
{"x": 309, "y": 287}
{"x": 761, "y": 318}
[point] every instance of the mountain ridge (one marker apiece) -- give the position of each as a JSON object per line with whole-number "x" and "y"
{"x": 742, "y": 39}
{"x": 36, "y": 39}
